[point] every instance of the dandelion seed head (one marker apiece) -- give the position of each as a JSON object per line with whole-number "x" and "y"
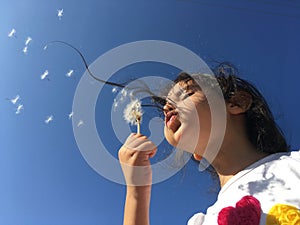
{"x": 133, "y": 112}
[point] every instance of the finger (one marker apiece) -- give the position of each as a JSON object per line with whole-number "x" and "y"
{"x": 145, "y": 155}
{"x": 152, "y": 154}
{"x": 139, "y": 143}
{"x": 146, "y": 146}
{"x": 138, "y": 135}
{"x": 134, "y": 136}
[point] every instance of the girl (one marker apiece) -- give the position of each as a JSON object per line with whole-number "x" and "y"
{"x": 258, "y": 174}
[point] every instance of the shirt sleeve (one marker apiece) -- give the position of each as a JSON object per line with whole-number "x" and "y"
{"x": 197, "y": 219}
{"x": 295, "y": 154}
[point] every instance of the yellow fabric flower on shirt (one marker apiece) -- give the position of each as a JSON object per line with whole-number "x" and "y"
{"x": 281, "y": 214}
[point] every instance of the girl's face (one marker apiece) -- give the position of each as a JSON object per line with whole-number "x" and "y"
{"x": 186, "y": 107}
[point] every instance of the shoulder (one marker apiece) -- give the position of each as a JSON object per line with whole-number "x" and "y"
{"x": 274, "y": 181}
{"x": 295, "y": 155}
{"x": 283, "y": 169}
{"x": 276, "y": 176}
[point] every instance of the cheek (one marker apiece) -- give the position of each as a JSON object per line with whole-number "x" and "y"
{"x": 185, "y": 138}
{"x": 205, "y": 130}
{"x": 169, "y": 135}
{"x": 205, "y": 122}
{"x": 194, "y": 131}
{"x": 174, "y": 139}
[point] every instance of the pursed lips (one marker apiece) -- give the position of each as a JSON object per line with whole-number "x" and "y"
{"x": 172, "y": 122}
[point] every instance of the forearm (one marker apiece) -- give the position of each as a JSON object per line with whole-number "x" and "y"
{"x": 137, "y": 205}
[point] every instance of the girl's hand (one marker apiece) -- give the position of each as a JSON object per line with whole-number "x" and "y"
{"x": 134, "y": 157}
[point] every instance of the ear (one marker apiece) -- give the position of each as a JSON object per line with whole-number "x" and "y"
{"x": 239, "y": 103}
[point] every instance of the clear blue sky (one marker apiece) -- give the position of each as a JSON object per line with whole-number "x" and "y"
{"x": 44, "y": 180}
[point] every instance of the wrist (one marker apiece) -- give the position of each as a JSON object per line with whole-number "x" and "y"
{"x": 138, "y": 192}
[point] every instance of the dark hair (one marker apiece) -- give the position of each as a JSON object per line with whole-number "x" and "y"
{"x": 262, "y": 130}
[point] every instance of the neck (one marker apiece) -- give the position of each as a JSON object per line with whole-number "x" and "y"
{"x": 236, "y": 152}
{"x": 229, "y": 163}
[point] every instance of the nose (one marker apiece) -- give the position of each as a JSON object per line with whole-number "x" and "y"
{"x": 167, "y": 108}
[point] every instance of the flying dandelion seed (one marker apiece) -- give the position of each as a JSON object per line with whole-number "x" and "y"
{"x": 28, "y": 40}
{"x": 70, "y": 73}
{"x": 114, "y": 90}
{"x": 124, "y": 92}
{"x": 14, "y": 100}
{"x": 60, "y": 13}
{"x": 115, "y": 105}
{"x": 133, "y": 113}
{"x": 12, "y": 33}
{"x": 19, "y": 108}
{"x": 121, "y": 99}
{"x": 25, "y": 49}
{"x": 70, "y": 115}
{"x": 80, "y": 123}
{"x": 48, "y": 119}
{"x": 131, "y": 94}
{"x": 44, "y": 75}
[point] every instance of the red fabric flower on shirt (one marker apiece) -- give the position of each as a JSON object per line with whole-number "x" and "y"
{"x": 246, "y": 212}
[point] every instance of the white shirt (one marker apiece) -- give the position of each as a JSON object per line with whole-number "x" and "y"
{"x": 272, "y": 180}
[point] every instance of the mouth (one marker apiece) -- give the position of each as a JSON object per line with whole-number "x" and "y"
{"x": 172, "y": 122}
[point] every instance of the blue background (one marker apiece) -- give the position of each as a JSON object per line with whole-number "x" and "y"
{"x": 44, "y": 178}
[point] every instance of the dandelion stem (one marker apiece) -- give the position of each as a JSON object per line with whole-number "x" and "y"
{"x": 138, "y": 127}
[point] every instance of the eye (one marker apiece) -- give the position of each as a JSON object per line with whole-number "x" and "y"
{"x": 188, "y": 94}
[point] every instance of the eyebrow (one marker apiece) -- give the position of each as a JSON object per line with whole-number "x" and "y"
{"x": 183, "y": 88}
{"x": 171, "y": 100}
{"x": 192, "y": 87}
